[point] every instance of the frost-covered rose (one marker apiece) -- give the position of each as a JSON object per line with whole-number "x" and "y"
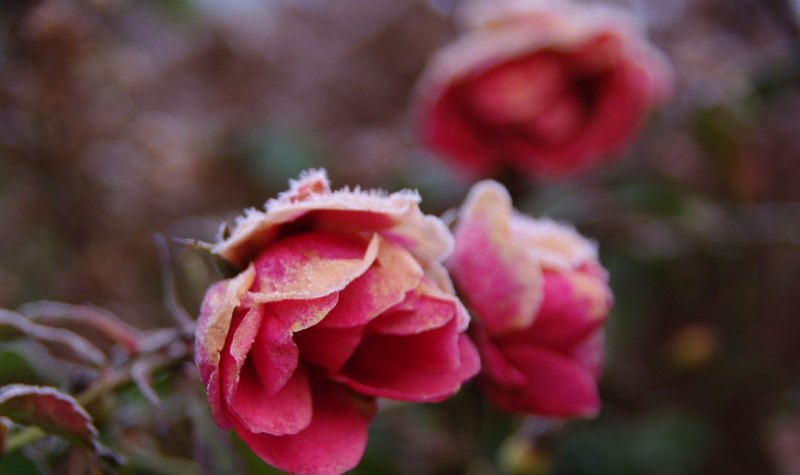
{"x": 539, "y": 297}
{"x": 545, "y": 87}
{"x": 341, "y": 298}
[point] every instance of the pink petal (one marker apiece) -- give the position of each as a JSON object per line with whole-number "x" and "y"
{"x": 568, "y": 314}
{"x": 296, "y": 315}
{"x": 287, "y": 411}
{"x": 446, "y": 129}
{"x": 329, "y": 348}
{"x": 244, "y": 327}
{"x": 500, "y": 280}
{"x": 494, "y": 364}
{"x": 428, "y": 366}
{"x": 556, "y": 385}
{"x": 418, "y": 313}
{"x": 590, "y": 353}
{"x": 214, "y": 322}
{"x": 383, "y": 285}
{"x": 275, "y": 355}
{"x": 310, "y": 265}
{"x": 214, "y": 390}
{"x": 518, "y": 90}
{"x": 332, "y": 443}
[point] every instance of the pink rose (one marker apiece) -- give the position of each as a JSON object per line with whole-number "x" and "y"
{"x": 545, "y": 87}
{"x": 342, "y": 298}
{"x": 539, "y": 297}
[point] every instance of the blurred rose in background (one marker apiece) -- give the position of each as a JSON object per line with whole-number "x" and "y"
{"x": 547, "y": 88}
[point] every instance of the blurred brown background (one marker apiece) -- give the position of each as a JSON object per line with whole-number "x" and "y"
{"x": 120, "y": 119}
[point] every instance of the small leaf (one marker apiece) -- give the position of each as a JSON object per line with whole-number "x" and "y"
{"x": 55, "y": 413}
{"x": 13, "y": 326}
{"x": 101, "y": 320}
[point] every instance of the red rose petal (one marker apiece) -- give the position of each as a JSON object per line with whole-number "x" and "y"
{"x": 332, "y": 443}
{"x": 565, "y": 317}
{"x": 309, "y": 265}
{"x": 428, "y": 366}
{"x": 383, "y": 285}
{"x": 556, "y": 385}
{"x": 329, "y": 348}
{"x": 288, "y": 411}
{"x": 419, "y": 313}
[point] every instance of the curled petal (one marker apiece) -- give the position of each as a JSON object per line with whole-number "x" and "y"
{"x": 334, "y": 440}
{"x": 215, "y": 319}
{"x": 501, "y": 281}
{"x": 416, "y": 314}
{"x": 287, "y": 411}
{"x": 309, "y": 265}
{"x": 428, "y": 366}
{"x": 557, "y": 246}
{"x": 380, "y": 287}
{"x": 575, "y": 305}
{"x": 275, "y": 355}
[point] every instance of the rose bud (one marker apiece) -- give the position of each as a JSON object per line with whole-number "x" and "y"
{"x": 538, "y": 298}
{"x": 546, "y": 88}
{"x": 341, "y": 298}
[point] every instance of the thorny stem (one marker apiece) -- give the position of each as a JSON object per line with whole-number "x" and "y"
{"x": 117, "y": 378}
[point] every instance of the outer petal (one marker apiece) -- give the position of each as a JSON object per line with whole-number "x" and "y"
{"x": 309, "y": 265}
{"x": 555, "y": 385}
{"x": 558, "y": 246}
{"x": 332, "y": 443}
{"x": 500, "y": 280}
{"x": 311, "y": 201}
{"x": 215, "y": 319}
{"x": 287, "y": 411}
{"x": 428, "y": 366}
{"x": 244, "y": 328}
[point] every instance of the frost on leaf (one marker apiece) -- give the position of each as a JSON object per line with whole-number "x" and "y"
{"x": 54, "y": 412}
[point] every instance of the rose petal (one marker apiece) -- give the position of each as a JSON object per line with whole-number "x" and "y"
{"x": 214, "y": 321}
{"x": 575, "y": 304}
{"x": 494, "y": 364}
{"x": 214, "y": 390}
{"x": 416, "y": 314}
{"x": 310, "y": 203}
{"x": 332, "y": 443}
{"x": 446, "y": 129}
{"x": 381, "y": 286}
{"x": 500, "y": 280}
{"x": 309, "y": 265}
{"x": 275, "y": 355}
{"x": 556, "y": 385}
{"x": 244, "y": 327}
{"x": 329, "y": 348}
{"x": 428, "y": 366}
{"x": 287, "y": 411}
{"x": 590, "y": 353}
